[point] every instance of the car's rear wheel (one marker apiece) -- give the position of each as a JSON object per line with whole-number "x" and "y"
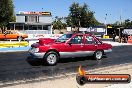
{"x": 98, "y": 54}
{"x": 19, "y": 38}
{"x": 51, "y": 58}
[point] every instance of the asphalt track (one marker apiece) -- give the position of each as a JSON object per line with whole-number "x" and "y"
{"x": 15, "y": 68}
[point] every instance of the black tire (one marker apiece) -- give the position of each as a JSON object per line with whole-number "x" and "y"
{"x": 51, "y": 58}
{"x": 81, "y": 80}
{"x": 19, "y": 38}
{"x": 98, "y": 55}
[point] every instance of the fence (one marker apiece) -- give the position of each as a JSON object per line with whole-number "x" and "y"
{"x": 36, "y": 31}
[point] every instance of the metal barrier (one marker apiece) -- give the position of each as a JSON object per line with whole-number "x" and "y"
{"x": 35, "y": 31}
{"x": 14, "y": 44}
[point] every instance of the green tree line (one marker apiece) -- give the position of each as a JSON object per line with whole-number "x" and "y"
{"x": 79, "y": 16}
{"x": 125, "y": 24}
{"x": 6, "y": 13}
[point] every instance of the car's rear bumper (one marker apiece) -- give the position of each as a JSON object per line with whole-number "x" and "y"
{"x": 107, "y": 51}
{"x": 36, "y": 55}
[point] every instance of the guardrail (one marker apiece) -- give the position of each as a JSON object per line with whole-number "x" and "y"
{"x": 9, "y": 44}
{"x": 35, "y": 31}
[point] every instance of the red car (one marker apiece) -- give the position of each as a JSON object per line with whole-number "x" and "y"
{"x": 67, "y": 46}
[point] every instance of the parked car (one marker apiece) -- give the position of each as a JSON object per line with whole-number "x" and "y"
{"x": 13, "y": 34}
{"x": 67, "y": 46}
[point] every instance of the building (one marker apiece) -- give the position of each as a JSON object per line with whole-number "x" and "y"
{"x": 33, "y": 22}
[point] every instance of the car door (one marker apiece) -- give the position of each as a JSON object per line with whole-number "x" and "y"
{"x": 75, "y": 46}
{"x": 90, "y": 45}
{"x": 11, "y": 35}
{"x": 2, "y": 36}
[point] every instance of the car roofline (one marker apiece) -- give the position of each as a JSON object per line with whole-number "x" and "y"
{"x": 79, "y": 33}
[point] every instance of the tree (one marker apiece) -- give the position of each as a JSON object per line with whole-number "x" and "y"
{"x": 57, "y": 24}
{"x": 117, "y": 23}
{"x": 6, "y": 12}
{"x": 127, "y": 23}
{"x": 73, "y": 17}
{"x": 81, "y": 16}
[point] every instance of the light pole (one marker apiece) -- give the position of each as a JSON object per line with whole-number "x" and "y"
{"x": 105, "y": 18}
{"x": 79, "y": 21}
{"x": 120, "y": 26}
{"x": 105, "y": 24}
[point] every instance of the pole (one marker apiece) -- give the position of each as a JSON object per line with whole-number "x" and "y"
{"x": 79, "y": 22}
{"x": 105, "y": 24}
{"x": 14, "y": 26}
{"x": 51, "y": 29}
{"x": 79, "y": 25}
{"x": 23, "y": 27}
{"x": 120, "y": 26}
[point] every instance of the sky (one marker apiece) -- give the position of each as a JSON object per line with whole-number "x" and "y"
{"x": 113, "y": 8}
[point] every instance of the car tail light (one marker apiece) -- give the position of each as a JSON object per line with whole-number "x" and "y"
{"x": 110, "y": 46}
{"x": 33, "y": 49}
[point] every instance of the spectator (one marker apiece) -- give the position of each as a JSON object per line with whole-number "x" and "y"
{"x": 114, "y": 35}
{"x": 125, "y": 37}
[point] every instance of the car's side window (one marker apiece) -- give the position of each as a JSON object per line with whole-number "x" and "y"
{"x": 95, "y": 41}
{"x": 77, "y": 39}
{"x": 89, "y": 40}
